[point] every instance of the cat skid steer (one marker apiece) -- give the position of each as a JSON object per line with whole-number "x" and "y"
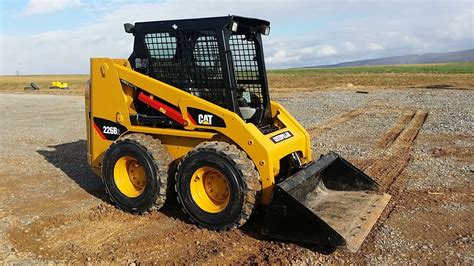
{"x": 190, "y": 111}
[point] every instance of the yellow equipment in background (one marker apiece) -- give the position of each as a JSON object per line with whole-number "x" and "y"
{"x": 59, "y": 85}
{"x": 190, "y": 111}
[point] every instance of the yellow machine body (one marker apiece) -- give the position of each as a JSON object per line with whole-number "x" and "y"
{"x": 59, "y": 85}
{"x": 111, "y": 90}
{"x": 192, "y": 103}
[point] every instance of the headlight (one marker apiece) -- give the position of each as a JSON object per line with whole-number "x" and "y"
{"x": 235, "y": 25}
{"x": 266, "y": 30}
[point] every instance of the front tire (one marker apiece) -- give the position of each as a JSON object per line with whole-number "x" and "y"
{"x": 217, "y": 185}
{"x": 135, "y": 173}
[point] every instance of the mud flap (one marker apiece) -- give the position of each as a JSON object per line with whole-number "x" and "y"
{"x": 329, "y": 202}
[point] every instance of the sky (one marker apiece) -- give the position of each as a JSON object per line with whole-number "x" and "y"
{"x": 59, "y": 36}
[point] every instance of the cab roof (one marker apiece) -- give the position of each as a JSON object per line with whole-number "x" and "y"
{"x": 211, "y": 23}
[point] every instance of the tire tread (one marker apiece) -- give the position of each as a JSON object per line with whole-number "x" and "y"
{"x": 161, "y": 158}
{"x": 243, "y": 164}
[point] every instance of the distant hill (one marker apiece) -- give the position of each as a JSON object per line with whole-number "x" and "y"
{"x": 429, "y": 58}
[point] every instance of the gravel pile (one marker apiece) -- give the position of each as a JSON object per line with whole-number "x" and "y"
{"x": 312, "y": 108}
{"x": 353, "y": 139}
{"x": 437, "y": 174}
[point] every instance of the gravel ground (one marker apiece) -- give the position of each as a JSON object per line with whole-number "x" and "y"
{"x": 52, "y": 207}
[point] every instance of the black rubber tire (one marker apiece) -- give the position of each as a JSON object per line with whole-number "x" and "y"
{"x": 155, "y": 160}
{"x": 242, "y": 178}
{"x": 34, "y": 86}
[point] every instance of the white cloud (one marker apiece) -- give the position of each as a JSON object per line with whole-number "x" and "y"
{"x": 326, "y": 50}
{"x": 288, "y": 57}
{"x": 375, "y": 47}
{"x": 281, "y": 57}
{"x": 48, "y": 6}
{"x": 348, "y": 46}
{"x": 359, "y": 30}
{"x": 319, "y": 50}
{"x": 458, "y": 28}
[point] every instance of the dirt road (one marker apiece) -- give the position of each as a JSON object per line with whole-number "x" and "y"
{"x": 419, "y": 144}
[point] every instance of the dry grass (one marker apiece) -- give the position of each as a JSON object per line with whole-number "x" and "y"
{"x": 77, "y": 83}
{"x": 366, "y": 78}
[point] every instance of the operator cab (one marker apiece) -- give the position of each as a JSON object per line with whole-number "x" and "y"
{"x": 218, "y": 59}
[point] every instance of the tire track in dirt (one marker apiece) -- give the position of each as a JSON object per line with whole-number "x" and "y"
{"x": 362, "y": 163}
{"x": 336, "y": 121}
{"x": 397, "y": 143}
{"x": 397, "y": 154}
{"x": 418, "y": 225}
{"x": 389, "y": 137}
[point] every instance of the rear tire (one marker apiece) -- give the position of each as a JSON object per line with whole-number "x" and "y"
{"x": 135, "y": 173}
{"x": 217, "y": 185}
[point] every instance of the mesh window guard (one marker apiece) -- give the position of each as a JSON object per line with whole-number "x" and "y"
{"x": 188, "y": 60}
{"x": 249, "y": 87}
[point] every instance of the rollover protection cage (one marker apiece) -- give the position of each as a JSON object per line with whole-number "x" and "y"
{"x": 218, "y": 59}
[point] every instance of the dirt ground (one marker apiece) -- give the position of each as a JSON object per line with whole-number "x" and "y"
{"x": 417, "y": 143}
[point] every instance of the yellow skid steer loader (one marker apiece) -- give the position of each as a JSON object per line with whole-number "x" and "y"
{"x": 190, "y": 111}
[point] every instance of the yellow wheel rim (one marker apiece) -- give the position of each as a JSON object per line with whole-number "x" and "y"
{"x": 209, "y": 189}
{"x": 129, "y": 176}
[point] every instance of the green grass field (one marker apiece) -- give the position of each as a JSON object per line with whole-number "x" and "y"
{"x": 453, "y": 68}
{"x": 453, "y": 75}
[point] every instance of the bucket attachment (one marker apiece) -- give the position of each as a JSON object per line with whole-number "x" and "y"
{"x": 329, "y": 202}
